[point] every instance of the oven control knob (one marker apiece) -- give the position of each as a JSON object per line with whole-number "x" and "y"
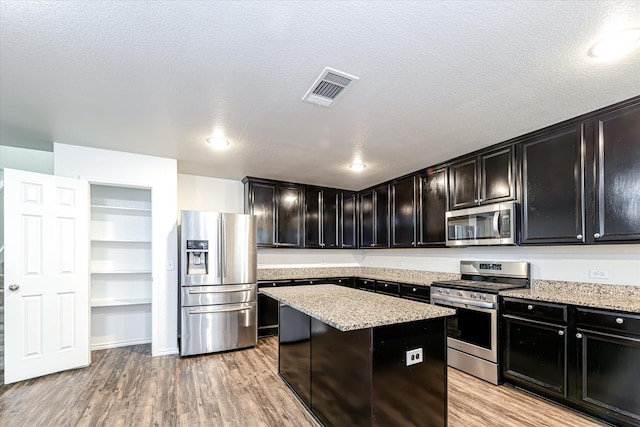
{"x": 474, "y": 296}
{"x": 447, "y": 292}
{"x": 484, "y": 297}
{"x": 459, "y": 294}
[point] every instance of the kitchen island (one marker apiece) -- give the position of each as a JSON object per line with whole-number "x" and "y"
{"x": 361, "y": 359}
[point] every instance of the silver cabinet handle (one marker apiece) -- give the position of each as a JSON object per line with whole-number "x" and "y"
{"x": 14, "y": 287}
{"x": 579, "y": 237}
{"x": 619, "y": 320}
{"x": 414, "y": 289}
{"x": 561, "y": 333}
{"x": 529, "y": 307}
{"x": 578, "y": 335}
{"x": 596, "y": 236}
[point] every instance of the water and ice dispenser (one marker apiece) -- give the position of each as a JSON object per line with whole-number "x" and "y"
{"x": 197, "y": 257}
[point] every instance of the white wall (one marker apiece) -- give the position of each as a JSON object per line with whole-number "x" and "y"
{"x": 551, "y": 263}
{"x": 161, "y": 175}
{"x": 26, "y": 159}
{"x": 201, "y": 193}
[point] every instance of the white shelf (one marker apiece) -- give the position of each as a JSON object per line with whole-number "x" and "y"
{"x": 123, "y": 209}
{"x": 122, "y": 272}
{"x": 119, "y": 241}
{"x": 114, "y": 302}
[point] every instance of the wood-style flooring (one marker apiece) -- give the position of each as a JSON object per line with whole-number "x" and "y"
{"x": 127, "y": 387}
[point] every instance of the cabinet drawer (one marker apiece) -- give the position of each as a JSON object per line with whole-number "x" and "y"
{"x": 536, "y": 310}
{"x": 416, "y": 292}
{"x": 366, "y": 284}
{"x": 342, "y": 281}
{"x": 608, "y": 321}
{"x": 273, "y": 283}
{"x": 217, "y": 294}
{"x": 388, "y": 288}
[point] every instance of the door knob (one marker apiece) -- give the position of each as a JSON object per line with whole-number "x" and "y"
{"x": 14, "y": 287}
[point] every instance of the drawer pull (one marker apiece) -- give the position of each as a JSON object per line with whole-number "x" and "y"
{"x": 619, "y": 320}
{"x": 596, "y": 235}
{"x": 579, "y": 237}
{"x": 529, "y": 307}
{"x": 386, "y": 286}
{"x": 578, "y": 335}
{"x": 414, "y": 289}
{"x": 561, "y": 333}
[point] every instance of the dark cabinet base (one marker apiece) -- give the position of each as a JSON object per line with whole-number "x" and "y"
{"x": 360, "y": 378}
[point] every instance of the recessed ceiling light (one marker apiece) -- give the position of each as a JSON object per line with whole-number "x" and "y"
{"x": 357, "y": 166}
{"x": 218, "y": 142}
{"x": 615, "y": 45}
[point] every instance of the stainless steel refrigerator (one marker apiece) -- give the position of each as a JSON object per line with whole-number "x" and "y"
{"x": 218, "y": 309}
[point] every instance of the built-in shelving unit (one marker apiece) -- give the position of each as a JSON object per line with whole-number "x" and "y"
{"x": 121, "y": 279}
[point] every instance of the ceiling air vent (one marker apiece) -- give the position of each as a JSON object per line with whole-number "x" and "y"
{"x": 328, "y": 87}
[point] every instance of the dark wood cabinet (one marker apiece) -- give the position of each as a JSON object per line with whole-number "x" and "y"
{"x": 268, "y": 309}
{"x": 486, "y": 178}
{"x": 403, "y": 212}
{"x": 616, "y": 184}
{"x": 433, "y": 203}
{"x": 536, "y": 353}
{"x": 321, "y": 217}
{"x": 278, "y": 208}
{"x": 553, "y": 187}
{"x": 294, "y": 361}
{"x": 347, "y": 228}
{"x": 374, "y": 217}
{"x": 608, "y": 353}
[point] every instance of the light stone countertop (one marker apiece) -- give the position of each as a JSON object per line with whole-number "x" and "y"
{"x": 612, "y": 297}
{"x": 414, "y": 277}
{"x": 348, "y": 309}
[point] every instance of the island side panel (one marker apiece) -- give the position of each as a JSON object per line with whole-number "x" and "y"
{"x": 294, "y": 361}
{"x": 341, "y": 375}
{"x": 416, "y": 394}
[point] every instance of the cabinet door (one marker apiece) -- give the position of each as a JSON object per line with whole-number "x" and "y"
{"x": 553, "y": 187}
{"x": 312, "y": 217}
{"x": 329, "y": 218}
{"x": 289, "y": 216}
{"x": 403, "y": 209}
{"x": 381, "y": 218}
{"x": 617, "y": 183}
{"x": 348, "y": 220}
{"x": 464, "y": 183}
{"x": 497, "y": 182}
{"x": 607, "y": 375}
{"x": 294, "y": 361}
{"x": 535, "y": 353}
{"x": 366, "y": 219}
{"x": 262, "y": 197}
{"x": 434, "y": 202}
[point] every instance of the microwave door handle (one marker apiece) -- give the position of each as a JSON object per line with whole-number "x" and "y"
{"x": 496, "y": 223}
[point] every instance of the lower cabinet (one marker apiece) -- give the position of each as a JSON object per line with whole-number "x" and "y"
{"x": 294, "y": 363}
{"x": 584, "y": 358}
{"x": 268, "y": 309}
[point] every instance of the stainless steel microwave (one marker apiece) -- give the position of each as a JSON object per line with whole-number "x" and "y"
{"x": 482, "y": 225}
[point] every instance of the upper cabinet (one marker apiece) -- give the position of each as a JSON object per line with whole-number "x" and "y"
{"x": 486, "y": 178}
{"x": 374, "y": 217}
{"x": 553, "y": 187}
{"x": 278, "y": 208}
{"x": 433, "y": 202}
{"x": 616, "y": 182}
{"x": 403, "y": 212}
{"x": 347, "y": 232}
{"x": 321, "y": 217}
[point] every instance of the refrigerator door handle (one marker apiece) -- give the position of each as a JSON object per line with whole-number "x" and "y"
{"x": 217, "y": 310}
{"x": 224, "y": 248}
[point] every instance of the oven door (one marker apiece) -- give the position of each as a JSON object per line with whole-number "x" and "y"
{"x": 474, "y": 329}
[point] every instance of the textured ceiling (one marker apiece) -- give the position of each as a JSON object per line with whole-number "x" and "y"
{"x": 437, "y": 79}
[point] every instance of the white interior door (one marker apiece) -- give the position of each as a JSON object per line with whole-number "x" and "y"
{"x": 46, "y": 274}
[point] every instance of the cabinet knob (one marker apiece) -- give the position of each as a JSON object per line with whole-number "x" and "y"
{"x": 476, "y": 201}
{"x": 414, "y": 289}
{"x": 529, "y": 307}
{"x": 386, "y": 286}
{"x": 619, "y": 320}
{"x": 372, "y": 244}
{"x": 579, "y": 237}
{"x": 578, "y": 335}
{"x": 561, "y": 333}
{"x": 596, "y": 236}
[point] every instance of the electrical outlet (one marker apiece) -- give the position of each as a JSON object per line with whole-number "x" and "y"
{"x": 414, "y": 356}
{"x": 598, "y": 274}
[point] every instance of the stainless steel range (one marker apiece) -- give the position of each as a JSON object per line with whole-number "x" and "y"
{"x": 472, "y": 335}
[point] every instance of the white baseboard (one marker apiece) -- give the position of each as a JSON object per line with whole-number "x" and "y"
{"x": 166, "y": 352}
{"x": 106, "y": 345}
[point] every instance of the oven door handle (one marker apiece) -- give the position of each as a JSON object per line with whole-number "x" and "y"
{"x": 476, "y": 305}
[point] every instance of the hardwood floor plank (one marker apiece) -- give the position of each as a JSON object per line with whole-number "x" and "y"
{"x": 127, "y": 387}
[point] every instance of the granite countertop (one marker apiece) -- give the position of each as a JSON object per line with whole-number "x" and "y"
{"x": 348, "y": 309}
{"x": 612, "y": 297}
{"x": 414, "y": 277}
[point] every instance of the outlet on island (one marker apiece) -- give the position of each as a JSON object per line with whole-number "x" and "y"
{"x": 598, "y": 274}
{"x": 414, "y": 356}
